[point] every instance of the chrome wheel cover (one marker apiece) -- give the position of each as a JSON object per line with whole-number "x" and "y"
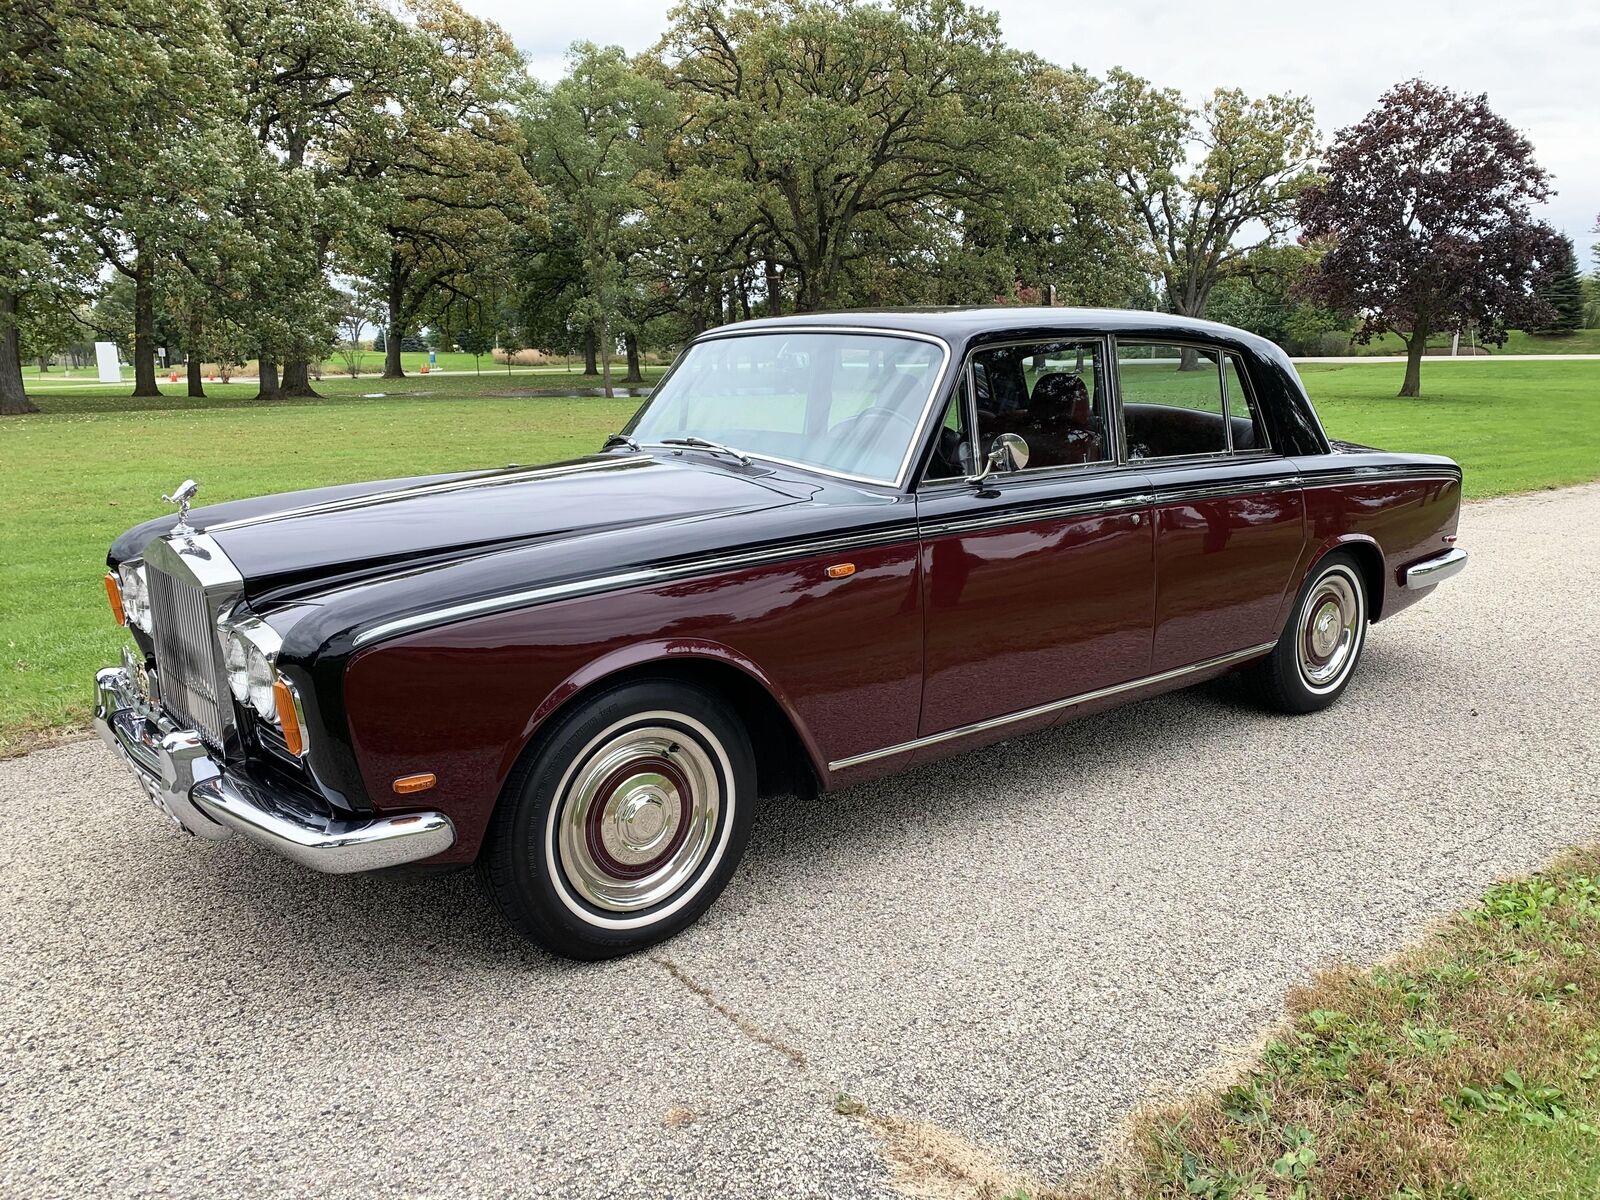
{"x": 638, "y": 815}
{"x": 1330, "y": 629}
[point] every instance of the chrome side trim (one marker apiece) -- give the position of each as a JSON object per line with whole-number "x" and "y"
{"x": 1221, "y": 490}
{"x": 572, "y": 588}
{"x": 1435, "y": 570}
{"x": 1040, "y": 710}
{"x": 607, "y": 583}
{"x": 1021, "y": 516}
{"x": 1089, "y": 507}
{"x": 1399, "y": 473}
{"x": 372, "y": 499}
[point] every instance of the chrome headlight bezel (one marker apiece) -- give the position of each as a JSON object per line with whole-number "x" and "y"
{"x": 250, "y": 654}
{"x": 135, "y": 587}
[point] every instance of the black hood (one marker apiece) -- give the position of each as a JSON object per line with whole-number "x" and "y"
{"x": 303, "y": 542}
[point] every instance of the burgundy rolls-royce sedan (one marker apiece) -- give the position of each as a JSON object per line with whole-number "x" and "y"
{"x": 826, "y": 548}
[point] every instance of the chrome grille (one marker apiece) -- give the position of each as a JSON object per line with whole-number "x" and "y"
{"x": 188, "y": 656}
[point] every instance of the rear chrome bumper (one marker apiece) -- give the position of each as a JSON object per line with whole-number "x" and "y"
{"x": 1435, "y": 570}
{"x": 186, "y": 783}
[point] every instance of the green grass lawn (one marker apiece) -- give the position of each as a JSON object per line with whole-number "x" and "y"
{"x": 369, "y": 364}
{"x": 95, "y": 462}
{"x": 1582, "y": 341}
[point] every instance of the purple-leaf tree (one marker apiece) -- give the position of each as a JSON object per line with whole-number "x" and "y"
{"x": 1424, "y": 206}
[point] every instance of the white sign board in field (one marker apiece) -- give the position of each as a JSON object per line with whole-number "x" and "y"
{"x": 105, "y": 357}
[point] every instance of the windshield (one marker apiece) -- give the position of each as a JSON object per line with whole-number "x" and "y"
{"x": 850, "y": 403}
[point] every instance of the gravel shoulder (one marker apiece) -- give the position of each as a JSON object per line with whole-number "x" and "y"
{"x": 1016, "y": 947}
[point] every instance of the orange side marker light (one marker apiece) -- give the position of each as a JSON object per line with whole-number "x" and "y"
{"x": 408, "y": 784}
{"x": 294, "y": 737}
{"x": 841, "y": 570}
{"x": 114, "y": 594}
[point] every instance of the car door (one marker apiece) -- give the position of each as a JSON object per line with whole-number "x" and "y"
{"x": 1038, "y": 582}
{"x": 1229, "y": 515}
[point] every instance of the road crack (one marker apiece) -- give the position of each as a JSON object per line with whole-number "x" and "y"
{"x": 925, "y": 1161}
{"x": 735, "y": 1018}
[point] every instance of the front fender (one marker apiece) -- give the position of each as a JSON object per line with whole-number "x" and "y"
{"x": 660, "y": 650}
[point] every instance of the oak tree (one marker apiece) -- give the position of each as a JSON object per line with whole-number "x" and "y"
{"x": 595, "y": 141}
{"x": 102, "y": 145}
{"x": 823, "y": 133}
{"x": 1208, "y": 186}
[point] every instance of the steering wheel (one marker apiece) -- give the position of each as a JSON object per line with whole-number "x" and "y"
{"x": 879, "y": 410}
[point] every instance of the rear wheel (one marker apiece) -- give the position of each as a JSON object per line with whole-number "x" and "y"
{"x": 1317, "y": 653}
{"x": 624, "y": 823}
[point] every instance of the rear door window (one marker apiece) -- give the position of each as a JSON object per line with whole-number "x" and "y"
{"x": 1173, "y": 403}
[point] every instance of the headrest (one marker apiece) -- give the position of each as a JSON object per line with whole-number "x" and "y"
{"x": 1061, "y": 395}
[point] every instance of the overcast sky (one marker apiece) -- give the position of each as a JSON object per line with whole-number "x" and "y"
{"x": 1541, "y": 68}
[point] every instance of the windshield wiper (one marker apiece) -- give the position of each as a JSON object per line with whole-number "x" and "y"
{"x": 700, "y": 443}
{"x": 621, "y": 439}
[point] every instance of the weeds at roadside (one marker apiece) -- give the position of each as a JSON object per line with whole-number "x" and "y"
{"x": 1466, "y": 1069}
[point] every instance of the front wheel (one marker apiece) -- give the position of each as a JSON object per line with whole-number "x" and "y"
{"x": 1317, "y": 653}
{"x": 624, "y": 823}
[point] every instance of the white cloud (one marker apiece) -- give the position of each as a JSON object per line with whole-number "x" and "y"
{"x": 1538, "y": 67}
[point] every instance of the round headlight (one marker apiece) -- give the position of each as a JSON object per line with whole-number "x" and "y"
{"x": 135, "y": 595}
{"x": 235, "y": 657}
{"x": 260, "y": 677}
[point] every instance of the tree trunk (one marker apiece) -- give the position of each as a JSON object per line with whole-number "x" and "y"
{"x": 1414, "y": 348}
{"x": 13, "y": 398}
{"x": 395, "y": 332}
{"x": 589, "y": 367}
{"x": 196, "y": 368}
{"x": 144, "y": 327}
{"x": 605, "y": 357}
{"x": 297, "y": 378}
{"x": 774, "y": 289}
{"x": 269, "y": 380}
{"x": 807, "y": 298}
{"x": 392, "y": 367}
{"x": 630, "y": 340}
{"x": 44, "y": 364}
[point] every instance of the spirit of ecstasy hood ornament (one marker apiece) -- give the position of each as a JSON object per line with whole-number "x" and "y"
{"x": 185, "y": 493}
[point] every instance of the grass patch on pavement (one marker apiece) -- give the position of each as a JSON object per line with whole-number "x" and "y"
{"x": 95, "y": 461}
{"x": 1468, "y": 1068}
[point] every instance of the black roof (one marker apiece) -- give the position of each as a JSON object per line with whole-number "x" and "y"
{"x": 963, "y": 323}
{"x": 1274, "y": 378}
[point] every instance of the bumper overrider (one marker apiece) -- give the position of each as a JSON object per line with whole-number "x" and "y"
{"x": 193, "y": 789}
{"x": 1423, "y": 575}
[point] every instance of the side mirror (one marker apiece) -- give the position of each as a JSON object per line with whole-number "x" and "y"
{"x": 1008, "y": 452}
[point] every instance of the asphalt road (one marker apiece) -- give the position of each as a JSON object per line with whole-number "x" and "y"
{"x": 1012, "y": 948}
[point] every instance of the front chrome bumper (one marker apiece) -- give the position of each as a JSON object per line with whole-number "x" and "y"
{"x": 1435, "y": 570}
{"x": 191, "y": 787}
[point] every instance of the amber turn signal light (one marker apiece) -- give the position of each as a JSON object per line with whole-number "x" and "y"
{"x": 114, "y": 594}
{"x": 294, "y": 737}
{"x": 407, "y": 784}
{"x": 841, "y": 570}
